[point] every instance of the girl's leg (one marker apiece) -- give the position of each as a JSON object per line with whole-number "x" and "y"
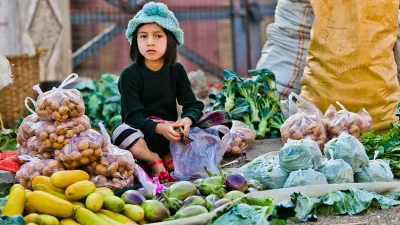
{"x": 140, "y": 151}
{"x": 168, "y": 162}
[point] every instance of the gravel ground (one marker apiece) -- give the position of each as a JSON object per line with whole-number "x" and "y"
{"x": 376, "y": 217}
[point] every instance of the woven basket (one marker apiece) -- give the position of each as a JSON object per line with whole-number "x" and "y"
{"x": 26, "y": 74}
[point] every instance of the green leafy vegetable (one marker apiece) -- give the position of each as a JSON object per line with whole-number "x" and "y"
{"x": 8, "y": 139}
{"x": 102, "y": 100}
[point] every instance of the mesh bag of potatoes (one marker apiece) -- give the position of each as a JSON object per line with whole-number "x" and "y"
{"x": 112, "y": 183}
{"x": 60, "y": 104}
{"x": 344, "y": 121}
{"x": 243, "y": 135}
{"x": 36, "y": 167}
{"x": 33, "y": 150}
{"x": 54, "y": 135}
{"x": 302, "y": 126}
{"x": 82, "y": 149}
{"x": 27, "y": 128}
{"x": 116, "y": 163}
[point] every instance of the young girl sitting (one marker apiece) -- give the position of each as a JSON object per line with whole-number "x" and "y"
{"x": 150, "y": 87}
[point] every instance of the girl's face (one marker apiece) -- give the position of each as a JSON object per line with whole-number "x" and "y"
{"x": 152, "y": 42}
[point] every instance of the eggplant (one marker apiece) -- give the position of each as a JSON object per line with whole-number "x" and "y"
{"x": 155, "y": 211}
{"x": 220, "y": 202}
{"x": 194, "y": 200}
{"x": 133, "y": 197}
{"x": 232, "y": 195}
{"x": 190, "y": 211}
{"x": 172, "y": 203}
{"x": 210, "y": 201}
{"x": 207, "y": 184}
{"x": 198, "y": 181}
{"x": 181, "y": 190}
{"x": 219, "y": 191}
{"x": 236, "y": 181}
{"x": 146, "y": 193}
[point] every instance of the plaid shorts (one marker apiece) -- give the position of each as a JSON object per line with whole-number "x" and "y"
{"x": 125, "y": 136}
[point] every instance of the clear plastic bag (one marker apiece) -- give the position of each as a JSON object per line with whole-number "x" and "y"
{"x": 36, "y": 167}
{"x": 343, "y": 121}
{"x": 348, "y": 148}
{"x": 54, "y": 135}
{"x": 114, "y": 163}
{"x": 27, "y": 128}
{"x": 144, "y": 179}
{"x": 33, "y": 149}
{"x": 300, "y": 154}
{"x": 112, "y": 183}
{"x": 82, "y": 149}
{"x": 304, "y": 178}
{"x": 60, "y": 104}
{"x": 206, "y": 150}
{"x": 378, "y": 170}
{"x": 337, "y": 171}
{"x": 242, "y": 136}
{"x": 305, "y": 121}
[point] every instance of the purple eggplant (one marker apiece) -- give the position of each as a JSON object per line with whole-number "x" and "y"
{"x": 236, "y": 181}
{"x": 146, "y": 193}
{"x": 155, "y": 211}
{"x": 133, "y": 197}
{"x": 220, "y": 202}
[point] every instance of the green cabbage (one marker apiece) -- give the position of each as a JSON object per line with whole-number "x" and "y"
{"x": 305, "y": 177}
{"x": 300, "y": 154}
{"x": 337, "y": 171}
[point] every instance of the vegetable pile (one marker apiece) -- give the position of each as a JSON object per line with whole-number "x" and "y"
{"x": 8, "y": 140}
{"x": 102, "y": 100}
{"x": 388, "y": 146}
{"x": 252, "y": 101}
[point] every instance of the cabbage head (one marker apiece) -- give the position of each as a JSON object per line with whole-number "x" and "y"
{"x": 337, "y": 171}
{"x": 300, "y": 154}
{"x": 349, "y": 149}
{"x": 305, "y": 177}
{"x": 377, "y": 171}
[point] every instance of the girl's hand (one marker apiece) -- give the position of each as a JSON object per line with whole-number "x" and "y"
{"x": 185, "y": 122}
{"x": 167, "y": 130}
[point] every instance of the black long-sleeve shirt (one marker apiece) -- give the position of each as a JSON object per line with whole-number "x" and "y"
{"x": 147, "y": 93}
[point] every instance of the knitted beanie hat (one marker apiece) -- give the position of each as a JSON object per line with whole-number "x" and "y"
{"x": 155, "y": 13}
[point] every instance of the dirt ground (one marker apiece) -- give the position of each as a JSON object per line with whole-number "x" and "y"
{"x": 370, "y": 217}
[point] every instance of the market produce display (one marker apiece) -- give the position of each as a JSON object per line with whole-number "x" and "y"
{"x": 378, "y": 170}
{"x": 251, "y": 101}
{"x": 102, "y": 100}
{"x": 242, "y": 137}
{"x": 388, "y": 146}
{"x": 337, "y": 171}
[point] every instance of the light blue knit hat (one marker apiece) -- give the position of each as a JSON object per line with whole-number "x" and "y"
{"x": 155, "y": 13}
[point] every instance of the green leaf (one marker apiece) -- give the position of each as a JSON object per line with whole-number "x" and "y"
{"x": 244, "y": 214}
{"x": 94, "y": 106}
{"x": 86, "y": 85}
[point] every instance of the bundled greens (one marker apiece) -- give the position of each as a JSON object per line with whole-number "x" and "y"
{"x": 8, "y": 139}
{"x": 102, "y": 100}
{"x": 388, "y": 146}
{"x": 252, "y": 101}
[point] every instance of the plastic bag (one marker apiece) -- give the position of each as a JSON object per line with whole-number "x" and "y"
{"x": 112, "y": 183}
{"x": 54, "y": 135}
{"x": 300, "y": 154}
{"x": 36, "y": 167}
{"x": 27, "y": 128}
{"x": 60, "y": 104}
{"x": 343, "y": 121}
{"x": 337, "y": 171}
{"x": 267, "y": 173}
{"x": 33, "y": 149}
{"x": 242, "y": 137}
{"x": 304, "y": 122}
{"x": 378, "y": 170}
{"x": 82, "y": 149}
{"x": 152, "y": 184}
{"x": 114, "y": 163}
{"x": 349, "y": 149}
{"x": 304, "y": 178}
{"x": 206, "y": 150}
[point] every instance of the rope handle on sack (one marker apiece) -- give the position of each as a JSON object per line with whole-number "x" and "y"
{"x": 104, "y": 133}
{"x": 28, "y": 107}
{"x": 69, "y": 80}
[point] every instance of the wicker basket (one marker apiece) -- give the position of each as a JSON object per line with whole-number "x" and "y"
{"x": 26, "y": 74}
